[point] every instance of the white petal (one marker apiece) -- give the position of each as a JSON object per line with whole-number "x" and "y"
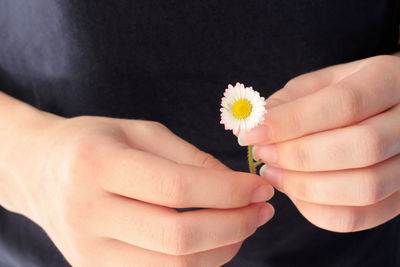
{"x": 235, "y": 93}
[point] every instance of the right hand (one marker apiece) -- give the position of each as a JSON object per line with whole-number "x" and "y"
{"x": 104, "y": 190}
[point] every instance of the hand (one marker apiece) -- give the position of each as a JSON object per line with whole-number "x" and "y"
{"x": 332, "y": 139}
{"x": 104, "y": 190}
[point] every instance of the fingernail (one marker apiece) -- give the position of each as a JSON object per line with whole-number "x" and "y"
{"x": 267, "y": 153}
{"x": 258, "y": 135}
{"x": 265, "y": 213}
{"x": 241, "y": 140}
{"x": 262, "y": 193}
{"x": 254, "y": 153}
{"x": 262, "y": 169}
{"x": 272, "y": 175}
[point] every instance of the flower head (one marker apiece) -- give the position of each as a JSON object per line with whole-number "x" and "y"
{"x": 242, "y": 108}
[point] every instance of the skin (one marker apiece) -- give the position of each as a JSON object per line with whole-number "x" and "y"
{"x": 332, "y": 141}
{"x": 104, "y": 190}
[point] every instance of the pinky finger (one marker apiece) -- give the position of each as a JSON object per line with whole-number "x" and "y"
{"x": 349, "y": 218}
{"x": 117, "y": 253}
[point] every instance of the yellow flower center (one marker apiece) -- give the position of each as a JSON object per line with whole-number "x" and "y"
{"x": 241, "y": 109}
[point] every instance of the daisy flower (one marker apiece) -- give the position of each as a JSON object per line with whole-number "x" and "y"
{"x": 242, "y": 108}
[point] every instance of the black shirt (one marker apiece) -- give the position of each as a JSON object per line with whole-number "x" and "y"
{"x": 169, "y": 61}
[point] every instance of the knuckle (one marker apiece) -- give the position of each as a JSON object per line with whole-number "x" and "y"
{"x": 296, "y": 122}
{"x": 158, "y": 125}
{"x": 205, "y": 160}
{"x": 76, "y": 207}
{"x": 234, "y": 195}
{"x": 297, "y": 81}
{"x": 76, "y": 211}
{"x": 176, "y": 236}
{"x": 348, "y": 222}
{"x": 349, "y": 103}
{"x": 306, "y": 80}
{"x": 173, "y": 189}
{"x": 302, "y": 158}
{"x": 292, "y": 82}
{"x": 151, "y": 128}
{"x": 72, "y": 215}
{"x": 344, "y": 221}
{"x": 369, "y": 190}
{"x": 370, "y": 146}
{"x": 273, "y": 101}
{"x": 84, "y": 155}
{"x": 293, "y": 127}
{"x": 299, "y": 189}
{"x": 244, "y": 228}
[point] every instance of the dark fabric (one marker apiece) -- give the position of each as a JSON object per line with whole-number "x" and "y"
{"x": 169, "y": 61}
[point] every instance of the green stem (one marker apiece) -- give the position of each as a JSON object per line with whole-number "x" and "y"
{"x": 257, "y": 163}
{"x": 252, "y": 166}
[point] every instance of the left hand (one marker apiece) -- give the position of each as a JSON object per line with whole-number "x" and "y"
{"x": 332, "y": 141}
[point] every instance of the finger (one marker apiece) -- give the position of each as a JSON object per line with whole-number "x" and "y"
{"x": 303, "y": 85}
{"x": 117, "y": 253}
{"x": 354, "y": 187}
{"x": 297, "y": 87}
{"x": 364, "y": 144}
{"x": 167, "y": 231}
{"x": 369, "y": 91}
{"x": 140, "y": 175}
{"x": 157, "y": 139}
{"x": 311, "y": 82}
{"x": 350, "y": 219}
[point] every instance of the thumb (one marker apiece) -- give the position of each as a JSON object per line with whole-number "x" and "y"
{"x": 155, "y": 138}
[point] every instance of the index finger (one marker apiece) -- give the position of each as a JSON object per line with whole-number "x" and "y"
{"x": 146, "y": 177}
{"x": 351, "y": 100}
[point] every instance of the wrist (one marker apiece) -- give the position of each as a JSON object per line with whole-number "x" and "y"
{"x": 23, "y": 130}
